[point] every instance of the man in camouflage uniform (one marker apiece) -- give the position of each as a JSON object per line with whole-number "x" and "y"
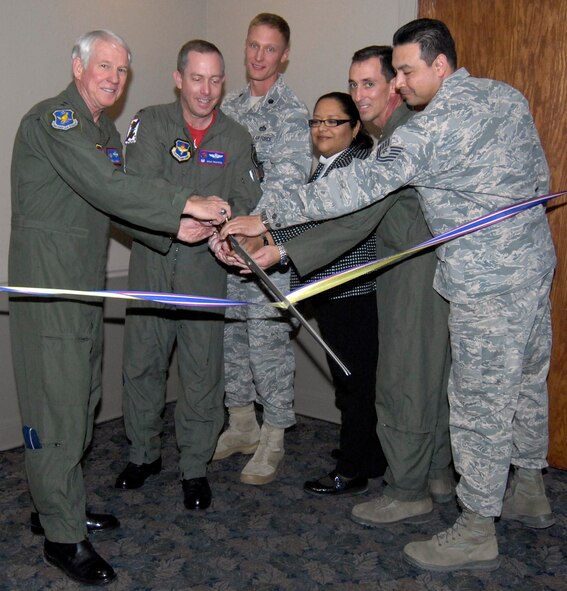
{"x": 473, "y": 149}
{"x": 191, "y": 143}
{"x": 259, "y": 359}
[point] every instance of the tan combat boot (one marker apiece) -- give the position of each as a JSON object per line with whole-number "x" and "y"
{"x": 263, "y": 467}
{"x": 242, "y": 435}
{"x": 383, "y": 511}
{"x": 470, "y": 544}
{"x": 525, "y": 499}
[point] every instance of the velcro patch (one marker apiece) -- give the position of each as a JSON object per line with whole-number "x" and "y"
{"x": 132, "y": 134}
{"x": 64, "y": 119}
{"x": 212, "y": 157}
{"x": 181, "y": 150}
{"x": 114, "y": 156}
{"x": 387, "y": 153}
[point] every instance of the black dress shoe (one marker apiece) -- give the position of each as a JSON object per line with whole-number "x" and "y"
{"x": 79, "y": 561}
{"x": 196, "y": 493}
{"x": 95, "y": 522}
{"x": 334, "y": 484}
{"x": 134, "y": 475}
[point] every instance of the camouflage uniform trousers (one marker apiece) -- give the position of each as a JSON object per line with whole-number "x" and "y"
{"x": 259, "y": 362}
{"x": 497, "y": 390}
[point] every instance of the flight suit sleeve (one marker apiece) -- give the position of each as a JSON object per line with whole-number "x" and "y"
{"x": 144, "y": 158}
{"x": 87, "y": 170}
{"x": 321, "y": 245}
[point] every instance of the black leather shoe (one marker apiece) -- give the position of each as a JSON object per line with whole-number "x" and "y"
{"x": 134, "y": 475}
{"x": 334, "y": 484}
{"x": 196, "y": 493}
{"x": 79, "y": 561}
{"x": 95, "y": 522}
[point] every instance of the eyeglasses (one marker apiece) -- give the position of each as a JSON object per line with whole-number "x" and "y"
{"x": 328, "y": 122}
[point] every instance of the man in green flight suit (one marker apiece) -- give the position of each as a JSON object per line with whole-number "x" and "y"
{"x": 193, "y": 144}
{"x": 67, "y": 182}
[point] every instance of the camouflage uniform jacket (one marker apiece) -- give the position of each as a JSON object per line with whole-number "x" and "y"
{"x": 280, "y": 132}
{"x": 472, "y": 150}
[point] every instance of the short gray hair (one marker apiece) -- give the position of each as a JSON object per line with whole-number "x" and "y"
{"x": 84, "y": 45}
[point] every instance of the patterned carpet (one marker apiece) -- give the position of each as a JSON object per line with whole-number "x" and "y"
{"x": 267, "y": 538}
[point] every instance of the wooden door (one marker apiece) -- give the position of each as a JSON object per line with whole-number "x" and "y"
{"x": 524, "y": 43}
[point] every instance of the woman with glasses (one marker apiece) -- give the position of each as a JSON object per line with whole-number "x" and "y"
{"x": 346, "y": 315}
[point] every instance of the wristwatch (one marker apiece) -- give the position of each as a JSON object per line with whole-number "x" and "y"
{"x": 264, "y": 219}
{"x": 284, "y": 259}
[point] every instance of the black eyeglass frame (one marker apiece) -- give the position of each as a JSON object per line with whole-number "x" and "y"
{"x": 326, "y": 122}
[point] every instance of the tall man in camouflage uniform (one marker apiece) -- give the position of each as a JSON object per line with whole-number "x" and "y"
{"x": 193, "y": 144}
{"x": 473, "y": 149}
{"x": 259, "y": 359}
{"x": 67, "y": 180}
{"x": 414, "y": 355}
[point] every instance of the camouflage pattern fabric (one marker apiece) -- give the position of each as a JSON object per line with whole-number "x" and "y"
{"x": 258, "y": 352}
{"x": 472, "y": 150}
{"x": 501, "y": 348}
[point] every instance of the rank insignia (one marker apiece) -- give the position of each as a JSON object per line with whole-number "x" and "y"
{"x": 212, "y": 157}
{"x": 386, "y": 152}
{"x": 114, "y": 156}
{"x": 64, "y": 119}
{"x": 132, "y": 131}
{"x": 181, "y": 150}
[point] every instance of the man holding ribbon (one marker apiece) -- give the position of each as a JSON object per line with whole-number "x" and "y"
{"x": 259, "y": 360}
{"x": 67, "y": 181}
{"x": 191, "y": 143}
{"x": 472, "y": 149}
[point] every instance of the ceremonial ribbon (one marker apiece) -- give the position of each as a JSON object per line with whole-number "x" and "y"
{"x": 484, "y": 221}
{"x": 310, "y": 289}
{"x": 174, "y": 299}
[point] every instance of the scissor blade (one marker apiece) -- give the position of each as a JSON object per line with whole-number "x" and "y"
{"x": 280, "y": 297}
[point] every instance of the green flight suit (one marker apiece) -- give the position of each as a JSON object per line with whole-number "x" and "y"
{"x": 159, "y": 145}
{"x": 67, "y": 179}
{"x": 413, "y": 338}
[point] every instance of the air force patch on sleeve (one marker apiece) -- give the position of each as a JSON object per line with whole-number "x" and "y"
{"x": 212, "y": 157}
{"x": 64, "y": 119}
{"x": 386, "y": 152}
{"x": 132, "y": 131}
{"x": 181, "y": 150}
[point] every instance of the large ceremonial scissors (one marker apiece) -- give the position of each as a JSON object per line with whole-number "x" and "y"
{"x": 281, "y": 298}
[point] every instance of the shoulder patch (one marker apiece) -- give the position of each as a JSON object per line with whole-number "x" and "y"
{"x": 64, "y": 119}
{"x": 181, "y": 150}
{"x": 132, "y": 131}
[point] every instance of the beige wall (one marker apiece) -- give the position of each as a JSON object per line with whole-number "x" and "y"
{"x": 35, "y": 42}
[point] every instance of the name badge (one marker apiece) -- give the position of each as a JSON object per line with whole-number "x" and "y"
{"x": 212, "y": 157}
